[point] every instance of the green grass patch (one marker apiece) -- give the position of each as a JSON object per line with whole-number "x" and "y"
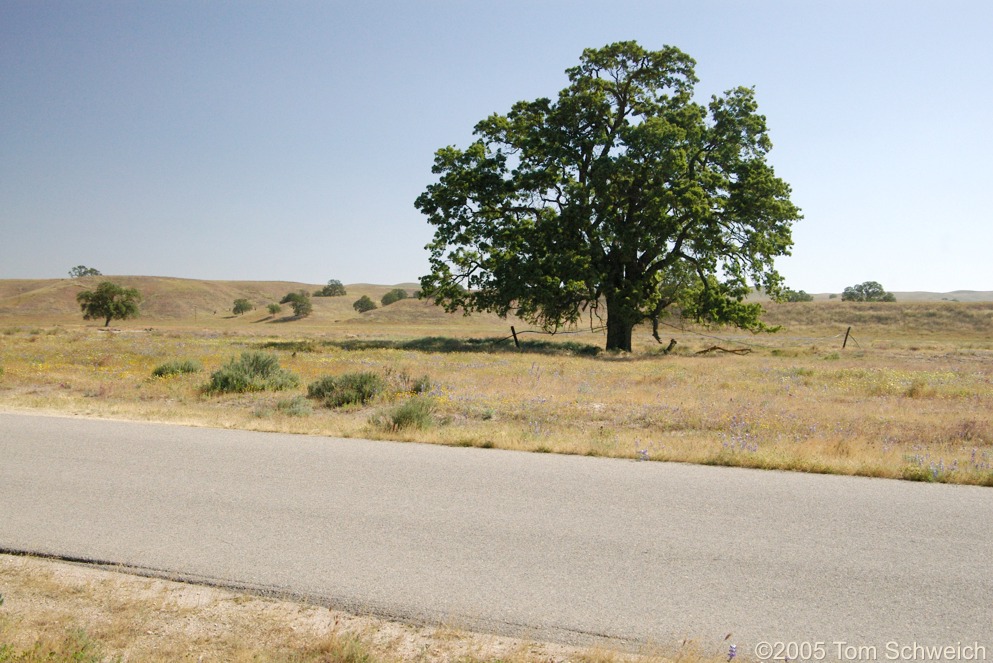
{"x": 177, "y": 367}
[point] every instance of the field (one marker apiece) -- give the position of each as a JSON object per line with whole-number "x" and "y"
{"x": 909, "y": 397}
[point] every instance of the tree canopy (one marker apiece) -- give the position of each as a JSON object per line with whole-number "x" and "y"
{"x": 623, "y": 191}
{"x": 790, "y": 295}
{"x": 334, "y": 288}
{"x": 109, "y": 301}
{"x": 241, "y": 306}
{"x": 869, "y": 291}
{"x": 82, "y": 270}
{"x": 363, "y": 304}
{"x": 394, "y": 295}
{"x": 299, "y": 302}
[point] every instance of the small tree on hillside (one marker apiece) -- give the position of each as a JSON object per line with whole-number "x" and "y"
{"x": 394, "y": 295}
{"x": 300, "y": 303}
{"x": 242, "y": 306}
{"x": 363, "y": 304}
{"x": 870, "y": 291}
{"x": 108, "y": 302}
{"x": 82, "y": 270}
{"x": 274, "y": 309}
{"x": 334, "y": 288}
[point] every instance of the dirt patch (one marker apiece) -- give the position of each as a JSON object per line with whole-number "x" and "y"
{"x": 50, "y": 606}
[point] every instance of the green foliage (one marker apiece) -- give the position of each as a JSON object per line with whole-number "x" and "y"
{"x": 416, "y": 412}
{"x": 82, "y": 270}
{"x": 394, "y": 295}
{"x": 274, "y": 308}
{"x": 242, "y": 306}
{"x": 347, "y": 389}
{"x": 334, "y": 288}
{"x": 108, "y": 302}
{"x": 252, "y": 371}
{"x": 789, "y": 295}
{"x": 300, "y": 303}
{"x": 870, "y": 291}
{"x": 177, "y": 367}
{"x": 622, "y": 190}
{"x": 363, "y": 304}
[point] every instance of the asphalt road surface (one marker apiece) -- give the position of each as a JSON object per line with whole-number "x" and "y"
{"x": 550, "y": 547}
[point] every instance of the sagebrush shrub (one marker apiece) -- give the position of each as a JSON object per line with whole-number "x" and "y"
{"x": 347, "y": 389}
{"x": 177, "y": 367}
{"x": 252, "y": 371}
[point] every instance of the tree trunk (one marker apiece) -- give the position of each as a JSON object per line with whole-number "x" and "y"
{"x": 107, "y": 324}
{"x": 620, "y": 324}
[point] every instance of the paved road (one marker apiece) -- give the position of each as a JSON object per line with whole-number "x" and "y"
{"x": 556, "y": 547}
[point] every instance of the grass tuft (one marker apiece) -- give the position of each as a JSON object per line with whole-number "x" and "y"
{"x": 416, "y": 413}
{"x": 177, "y": 367}
{"x": 298, "y": 406}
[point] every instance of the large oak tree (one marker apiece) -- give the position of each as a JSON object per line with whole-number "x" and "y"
{"x": 623, "y": 192}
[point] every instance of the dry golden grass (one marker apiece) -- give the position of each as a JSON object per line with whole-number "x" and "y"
{"x": 911, "y": 397}
{"x": 896, "y": 403}
{"x": 53, "y": 611}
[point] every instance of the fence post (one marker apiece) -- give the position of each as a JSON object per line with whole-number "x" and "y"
{"x": 514, "y": 332}
{"x": 846, "y": 338}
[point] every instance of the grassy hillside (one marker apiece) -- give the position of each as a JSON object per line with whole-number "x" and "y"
{"x": 165, "y": 298}
{"x": 175, "y": 302}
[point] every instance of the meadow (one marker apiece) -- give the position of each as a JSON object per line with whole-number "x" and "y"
{"x": 909, "y": 397}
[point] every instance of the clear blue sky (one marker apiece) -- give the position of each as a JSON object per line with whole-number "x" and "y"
{"x": 288, "y": 140}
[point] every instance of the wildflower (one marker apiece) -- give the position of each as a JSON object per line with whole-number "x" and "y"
{"x": 732, "y": 652}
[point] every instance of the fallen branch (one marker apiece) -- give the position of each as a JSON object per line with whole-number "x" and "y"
{"x": 737, "y": 351}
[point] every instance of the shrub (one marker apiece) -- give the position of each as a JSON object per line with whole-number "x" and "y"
{"x": 274, "y": 309}
{"x": 347, "y": 389}
{"x": 416, "y": 412}
{"x": 252, "y": 371}
{"x": 394, "y": 295}
{"x": 363, "y": 304}
{"x": 177, "y": 367}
